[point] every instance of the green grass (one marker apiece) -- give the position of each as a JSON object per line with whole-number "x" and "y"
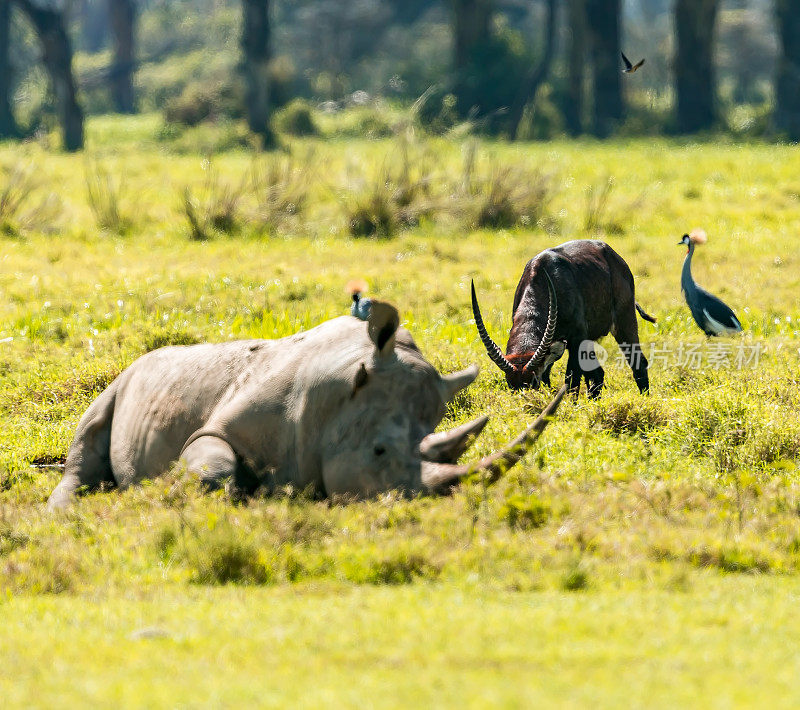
{"x": 646, "y": 553}
{"x": 421, "y": 645}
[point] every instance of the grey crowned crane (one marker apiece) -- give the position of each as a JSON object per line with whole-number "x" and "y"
{"x": 361, "y": 306}
{"x": 711, "y": 315}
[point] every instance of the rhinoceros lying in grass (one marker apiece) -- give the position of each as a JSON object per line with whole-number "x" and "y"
{"x": 348, "y": 407}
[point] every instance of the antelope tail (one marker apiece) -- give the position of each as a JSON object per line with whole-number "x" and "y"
{"x": 646, "y": 316}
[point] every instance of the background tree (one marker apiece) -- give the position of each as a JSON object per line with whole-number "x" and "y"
{"x": 255, "y": 66}
{"x": 406, "y": 12}
{"x": 535, "y": 77}
{"x": 695, "y": 77}
{"x": 91, "y": 18}
{"x": 603, "y": 22}
{"x": 495, "y": 72}
{"x": 787, "y": 81}
{"x": 472, "y": 27}
{"x": 746, "y": 52}
{"x": 354, "y": 31}
{"x": 122, "y": 20}
{"x": 8, "y": 126}
{"x": 49, "y": 26}
{"x": 478, "y": 61}
{"x": 576, "y": 63}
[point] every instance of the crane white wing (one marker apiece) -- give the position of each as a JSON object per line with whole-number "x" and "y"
{"x": 719, "y": 328}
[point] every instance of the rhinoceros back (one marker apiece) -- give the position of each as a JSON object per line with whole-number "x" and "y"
{"x": 165, "y": 396}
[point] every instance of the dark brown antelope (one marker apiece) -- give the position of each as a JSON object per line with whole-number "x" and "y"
{"x": 568, "y": 297}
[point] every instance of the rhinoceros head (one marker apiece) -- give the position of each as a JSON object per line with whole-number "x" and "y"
{"x": 382, "y": 402}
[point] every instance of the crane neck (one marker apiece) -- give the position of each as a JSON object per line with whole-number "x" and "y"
{"x": 687, "y": 282}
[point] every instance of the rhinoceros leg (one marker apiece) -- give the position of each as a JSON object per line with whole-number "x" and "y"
{"x": 212, "y": 459}
{"x": 88, "y": 460}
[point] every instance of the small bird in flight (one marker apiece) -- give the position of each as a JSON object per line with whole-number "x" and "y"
{"x": 630, "y": 68}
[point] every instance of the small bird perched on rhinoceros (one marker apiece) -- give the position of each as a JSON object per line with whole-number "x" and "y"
{"x": 361, "y": 306}
{"x": 346, "y": 408}
{"x": 374, "y": 312}
{"x": 712, "y": 316}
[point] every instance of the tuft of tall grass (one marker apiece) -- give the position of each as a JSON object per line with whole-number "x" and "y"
{"x": 625, "y": 414}
{"x": 226, "y": 556}
{"x": 723, "y": 555}
{"x": 37, "y": 569}
{"x": 371, "y": 212}
{"x": 214, "y": 207}
{"x": 16, "y": 189}
{"x": 596, "y": 204}
{"x": 18, "y": 214}
{"x": 500, "y": 196}
{"x": 104, "y": 195}
{"x": 162, "y": 337}
{"x": 525, "y": 512}
{"x": 402, "y": 564}
{"x": 81, "y": 384}
{"x": 395, "y": 197}
{"x": 11, "y": 538}
{"x": 575, "y": 579}
{"x": 737, "y": 432}
{"x": 296, "y": 119}
{"x": 281, "y": 190}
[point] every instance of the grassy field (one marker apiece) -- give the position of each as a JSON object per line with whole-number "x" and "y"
{"x": 646, "y": 554}
{"x": 387, "y": 647}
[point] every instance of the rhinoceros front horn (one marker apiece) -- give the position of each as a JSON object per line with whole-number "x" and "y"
{"x": 448, "y": 446}
{"x": 440, "y": 477}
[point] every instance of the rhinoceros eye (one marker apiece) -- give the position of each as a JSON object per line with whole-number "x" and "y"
{"x": 379, "y": 450}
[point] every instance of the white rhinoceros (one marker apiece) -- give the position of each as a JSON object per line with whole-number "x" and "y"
{"x": 348, "y": 407}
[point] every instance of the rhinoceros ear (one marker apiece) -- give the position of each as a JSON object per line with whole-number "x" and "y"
{"x": 453, "y": 383}
{"x": 382, "y": 324}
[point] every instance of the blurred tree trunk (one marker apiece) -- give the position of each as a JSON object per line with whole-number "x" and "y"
{"x": 407, "y": 12}
{"x": 695, "y": 80}
{"x": 787, "y": 81}
{"x": 93, "y": 21}
{"x": 8, "y": 126}
{"x": 122, "y": 18}
{"x": 576, "y": 63}
{"x": 255, "y": 65}
{"x": 603, "y": 22}
{"x": 472, "y": 28}
{"x": 57, "y": 56}
{"x": 531, "y": 83}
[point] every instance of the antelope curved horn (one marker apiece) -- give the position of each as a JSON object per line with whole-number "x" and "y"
{"x": 440, "y": 477}
{"x": 547, "y": 338}
{"x": 494, "y": 352}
